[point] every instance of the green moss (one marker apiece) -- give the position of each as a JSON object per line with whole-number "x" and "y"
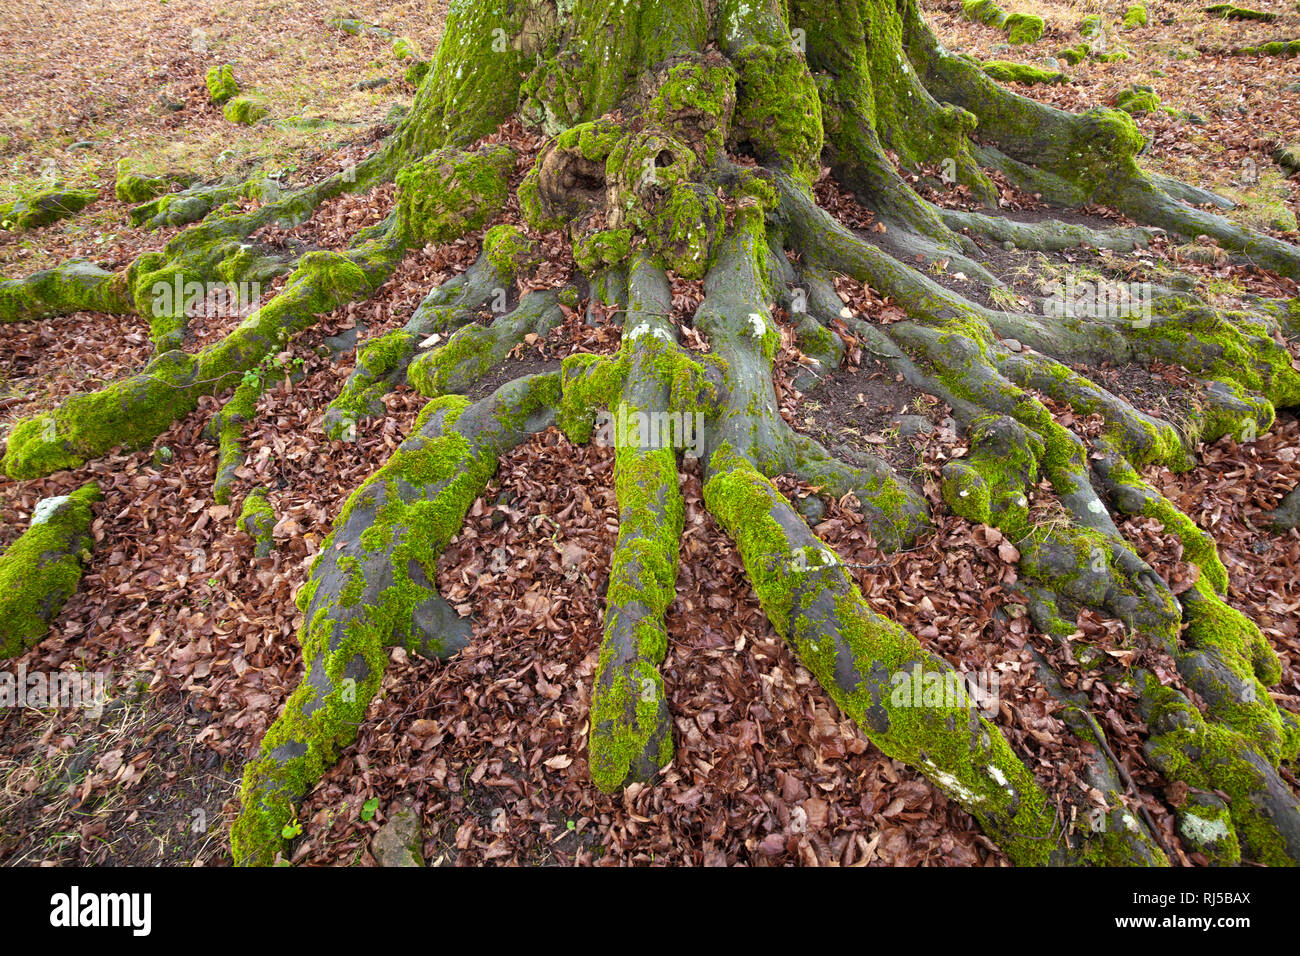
{"x": 1138, "y": 99}
{"x": 1205, "y": 824}
{"x": 42, "y": 568}
{"x": 1074, "y": 55}
{"x": 443, "y": 475}
{"x": 983, "y": 11}
{"x": 228, "y": 427}
{"x": 778, "y": 110}
{"x": 137, "y": 409}
{"x": 855, "y": 661}
{"x": 991, "y": 484}
{"x": 1205, "y": 755}
{"x": 1104, "y": 146}
{"x": 605, "y": 247}
{"x": 416, "y": 72}
{"x": 626, "y": 708}
{"x": 1006, "y": 72}
{"x": 245, "y": 110}
{"x": 697, "y": 99}
{"x": 588, "y": 382}
{"x": 1227, "y": 11}
{"x": 405, "y": 49}
{"x": 1024, "y": 28}
{"x": 45, "y": 207}
{"x": 74, "y": 286}
{"x": 1233, "y": 348}
{"x": 1135, "y": 16}
{"x": 451, "y": 192}
{"x": 131, "y": 187}
{"x": 685, "y": 229}
{"x": 257, "y": 519}
{"x": 510, "y": 251}
{"x": 594, "y": 140}
{"x": 221, "y": 83}
{"x": 1090, "y": 26}
{"x": 466, "y": 356}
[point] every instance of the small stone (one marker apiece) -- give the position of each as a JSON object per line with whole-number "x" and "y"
{"x": 345, "y": 341}
{"x": 371, "y": 84}
{"x": 812, "y": 508}
{"x": 909, "y": 425}
{"x": 1013, "y": 344}
{"x": 1008, "y": 245}
{"x": 398, "y": 841}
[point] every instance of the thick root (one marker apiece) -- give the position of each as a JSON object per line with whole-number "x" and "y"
{"x": 39, "y": 571}
{"x": 631, "y": 728}
{"x": 372, "y": 587}
{"x": 76, "y": 286}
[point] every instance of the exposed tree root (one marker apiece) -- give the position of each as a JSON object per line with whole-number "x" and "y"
{"x": 704, "y": 167}
{"x": 631, "y": 729}
{"x": 372, "y": 587}
{"x": 40, "y": 570}
{"x": 72, "y": 287}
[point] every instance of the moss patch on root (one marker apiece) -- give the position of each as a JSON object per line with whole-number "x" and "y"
{"x": 136, "y": 188}
{"x": 40, "y": 571}
{"x": 221, "y": 83}
{"x": 74, "y": 286}
{"x": 1024, "y": 28}
{"x": 1226, "y": 11}
{"x": 452, "y": 191}
{"x": 1006, "y": 72}
{"x": 257, "y": 520}
{"x": 1138, "y": 99}
{"x": 1134, "y": 17}
{"x": 245, "y": 110}
{"x": 134, "y": 410}
{"x": 411, "y": 508}
{"x": 1074, "y": 55}
{"x": 44, "y": 208}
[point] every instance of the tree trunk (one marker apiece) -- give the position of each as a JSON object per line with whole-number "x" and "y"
{"x": 684, "y": 138}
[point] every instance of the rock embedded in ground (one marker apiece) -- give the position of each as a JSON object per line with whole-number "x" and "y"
{"x": 398, "y": 842}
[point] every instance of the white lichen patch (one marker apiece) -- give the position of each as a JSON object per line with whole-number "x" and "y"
{"x": 1202, "y": 831}
{"x": 951, "y": 785}
{"x": 45, "y": 509}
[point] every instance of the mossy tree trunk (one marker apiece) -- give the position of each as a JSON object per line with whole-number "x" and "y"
{"x": 684, "y": 137}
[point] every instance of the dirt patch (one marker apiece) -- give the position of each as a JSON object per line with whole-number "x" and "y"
{"x": 129, "y": 787}
{"x": 870, "y": 407}
{"x": 528, "y": 363}
{"x": 1160, "y": 391}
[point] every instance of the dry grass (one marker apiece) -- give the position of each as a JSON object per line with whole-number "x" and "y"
{"x": 1244, "y": 105}
{"x": 99, "y": 75}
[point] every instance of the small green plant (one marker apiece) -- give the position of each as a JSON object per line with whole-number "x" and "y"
{"x": 1003, "y": 298}
{"x": 368, "y": 809}
{"x": 291, "y": 829}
